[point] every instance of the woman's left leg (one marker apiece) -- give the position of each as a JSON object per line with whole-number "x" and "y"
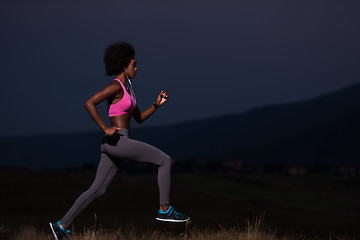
{"x": 127, "y": 148}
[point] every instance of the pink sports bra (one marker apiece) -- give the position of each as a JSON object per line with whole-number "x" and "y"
{"x": 126, "y": 105}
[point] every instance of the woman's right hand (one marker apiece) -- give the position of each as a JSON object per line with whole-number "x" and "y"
{"x": 90, "y": 105}
{"x": 111, "y": 131}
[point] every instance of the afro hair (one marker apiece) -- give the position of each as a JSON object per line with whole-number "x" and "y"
{"x": 118, "y": 56}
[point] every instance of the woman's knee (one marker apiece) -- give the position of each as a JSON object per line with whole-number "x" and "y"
{"x": 166, "y": 161}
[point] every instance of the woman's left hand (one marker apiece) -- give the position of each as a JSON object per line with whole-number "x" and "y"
{"x": 162, "y": 98}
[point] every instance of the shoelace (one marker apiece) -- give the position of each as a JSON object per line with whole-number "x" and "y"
{"x": 175, "y": 212}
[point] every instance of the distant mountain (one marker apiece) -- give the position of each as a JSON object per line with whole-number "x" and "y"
{"x": 254, "y": 128}
{"x": 68, "y": 150}
{"x": 334, "y": 143}
{"x": 265, "y": 128}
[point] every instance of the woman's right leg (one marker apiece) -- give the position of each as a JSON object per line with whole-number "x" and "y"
{"x": 106, "y": 171}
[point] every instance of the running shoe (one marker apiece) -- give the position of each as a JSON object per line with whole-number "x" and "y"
{"x": 171, "y": 216}
{"x": 58, "y": 231}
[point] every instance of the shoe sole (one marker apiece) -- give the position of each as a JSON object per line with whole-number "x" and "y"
{"x": 171, "y": 220}
{"x": 52, "y": 229}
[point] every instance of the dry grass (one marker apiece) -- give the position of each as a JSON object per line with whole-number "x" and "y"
{"x": 253, "y": 230}
{"x": 311, "y": 205}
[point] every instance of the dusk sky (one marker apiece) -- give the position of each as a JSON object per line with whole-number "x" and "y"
{"x": 213, "y": 57}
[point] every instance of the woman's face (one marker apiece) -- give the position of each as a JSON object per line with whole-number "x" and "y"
{"x": 131, "y": 69}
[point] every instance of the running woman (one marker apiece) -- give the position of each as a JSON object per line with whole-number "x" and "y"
{"x": 116, "y": 146}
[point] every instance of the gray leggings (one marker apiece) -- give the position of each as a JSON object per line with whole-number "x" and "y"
{"x": 113, "y": 151}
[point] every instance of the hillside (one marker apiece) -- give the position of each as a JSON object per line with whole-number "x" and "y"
{"x": 254, "y": 128}
{"x": 236, "y": 134}
{"x": 333, "y": 143}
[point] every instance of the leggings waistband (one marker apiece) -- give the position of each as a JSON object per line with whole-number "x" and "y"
{"x": 124, "y": 131}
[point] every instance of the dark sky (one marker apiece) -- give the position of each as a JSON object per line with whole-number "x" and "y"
{"x": 214, "y": 57}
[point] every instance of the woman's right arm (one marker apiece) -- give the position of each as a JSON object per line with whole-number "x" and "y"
{"x": 97, "y": 98}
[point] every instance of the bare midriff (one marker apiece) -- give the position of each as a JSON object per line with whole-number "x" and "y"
{"x": 121, "y": 121}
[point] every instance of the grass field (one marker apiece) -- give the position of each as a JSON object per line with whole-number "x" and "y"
{"x": 298, "y": 207}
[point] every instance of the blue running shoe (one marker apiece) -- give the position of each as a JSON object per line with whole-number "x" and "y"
{"x": 171, "y": 216}
{"x": 58, "y": 231}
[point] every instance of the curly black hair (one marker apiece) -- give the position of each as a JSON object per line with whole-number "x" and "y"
{"x": 118, "y": 56}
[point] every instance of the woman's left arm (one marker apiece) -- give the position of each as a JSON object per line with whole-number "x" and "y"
{"x": 142, "y": 116}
